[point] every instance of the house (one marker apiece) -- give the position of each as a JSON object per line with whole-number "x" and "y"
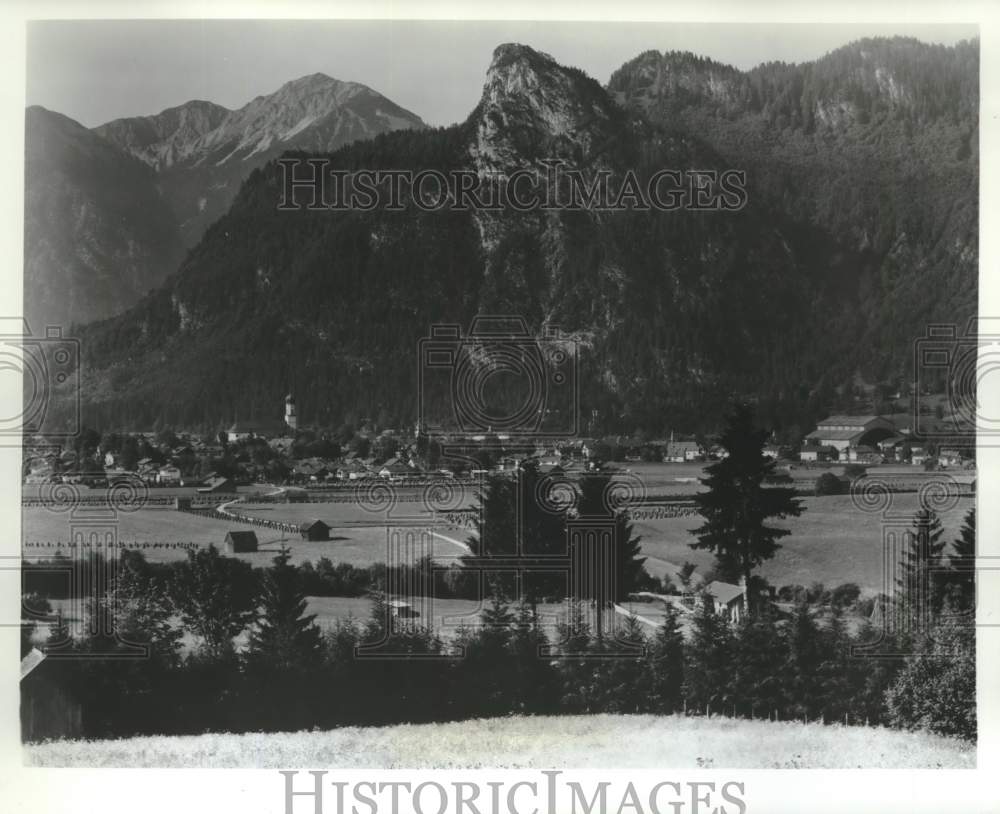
{"x": 241, "y": 542}
{"x": 314, "y": 530}
{"x": 846, "y": 432}
{"x": 728, "y": 599}
{"x": 681, "y": 451}
{"x": 394, "y": 469}
{"x": 918, "y": 456}
{"x": 892, "y": 446}
{"x": 864, "y": 454}
{"x": 217, "y": 485}
{"x": 242, "y": 430}
{"x": 48, "y": 709}
{"x": 818, "y": 453}
{"x": 168, "y": 475}
{"x": 949, "y": 456}
{"x": 772, "y": 451}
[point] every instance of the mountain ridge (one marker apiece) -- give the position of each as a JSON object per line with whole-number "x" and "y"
{"x": 671, "y": 312}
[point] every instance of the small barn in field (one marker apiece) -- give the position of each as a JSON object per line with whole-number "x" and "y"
{"x": 241, "y": 542}
{"x": 314, "y": 530}
{"x": 48, "y": 709}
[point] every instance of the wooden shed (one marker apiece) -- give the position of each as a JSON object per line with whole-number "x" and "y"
{"x": 48, "y": 709}
{"x": 241, "y": 542}
{"x": 314, "y": 530}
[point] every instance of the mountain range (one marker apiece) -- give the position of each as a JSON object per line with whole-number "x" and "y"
{"x": 859, "y": 230}
{"x": 169, "y": 175}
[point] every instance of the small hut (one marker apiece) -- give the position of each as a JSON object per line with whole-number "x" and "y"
{"x": 241, "y": 542}
{"x": 48, "y": 709}
{"x": 314, "y": 530}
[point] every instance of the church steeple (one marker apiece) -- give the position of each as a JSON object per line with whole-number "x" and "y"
{"x": 290, "y": 418}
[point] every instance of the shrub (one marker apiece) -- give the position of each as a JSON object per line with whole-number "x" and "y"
{"x": 937, "y": 691}
{"x": 829, "y": 484}
{"x": 845, "y": 595}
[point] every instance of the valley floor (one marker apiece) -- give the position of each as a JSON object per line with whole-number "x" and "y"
{"x": 609, "y": 741}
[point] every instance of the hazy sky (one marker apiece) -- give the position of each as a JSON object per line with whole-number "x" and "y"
{"x": 95, "y": 71}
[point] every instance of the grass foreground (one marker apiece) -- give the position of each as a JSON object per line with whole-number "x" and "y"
{"x": 582, "y": 741}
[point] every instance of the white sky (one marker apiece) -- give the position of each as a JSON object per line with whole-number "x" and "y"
{"x": 95, "y": 71}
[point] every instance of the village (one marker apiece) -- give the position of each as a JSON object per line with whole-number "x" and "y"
{"x": 280, "y": 452}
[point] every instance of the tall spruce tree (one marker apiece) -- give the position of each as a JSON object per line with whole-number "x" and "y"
{"x": 515, "y": 519}
{"x": 285, "y": 638}
{"x": 743, "y": 491}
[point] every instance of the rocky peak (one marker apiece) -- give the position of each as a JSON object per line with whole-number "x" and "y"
{"x": 533, "y": 108}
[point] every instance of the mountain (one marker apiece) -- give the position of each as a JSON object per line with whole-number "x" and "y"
{"x": 875, "y": 145}
{"x": 202, "y": 151}
{"x": 97, "y": 233}
{"x": 852, "y": 236}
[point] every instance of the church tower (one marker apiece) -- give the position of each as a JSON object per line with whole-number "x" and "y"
{"x": 290, "y": 418}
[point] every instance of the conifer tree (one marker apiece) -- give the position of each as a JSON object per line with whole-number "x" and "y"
{"x": 537, "y": 680}
{"x": 665, "y": 664}
{"x": 920, "y": 578}
{"x": 801, "y": 669}
{"x": 759, "y": 651}
{"x": 622, "y": 676}
{"x": 742, "y": 493}
{"x": 595, "y": 503}
{"x": 708, "y": 662}
{"x": 285, "y": 638}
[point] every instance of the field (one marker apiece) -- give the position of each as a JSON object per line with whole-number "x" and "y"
{"x": 578, "y": 742}
{"x": 359, "y": 544}
{"x": 832, "y": 542}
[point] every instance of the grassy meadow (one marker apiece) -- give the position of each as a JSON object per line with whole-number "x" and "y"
{"x": 597, "y": 741}
{"x": 832, "y": 542}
